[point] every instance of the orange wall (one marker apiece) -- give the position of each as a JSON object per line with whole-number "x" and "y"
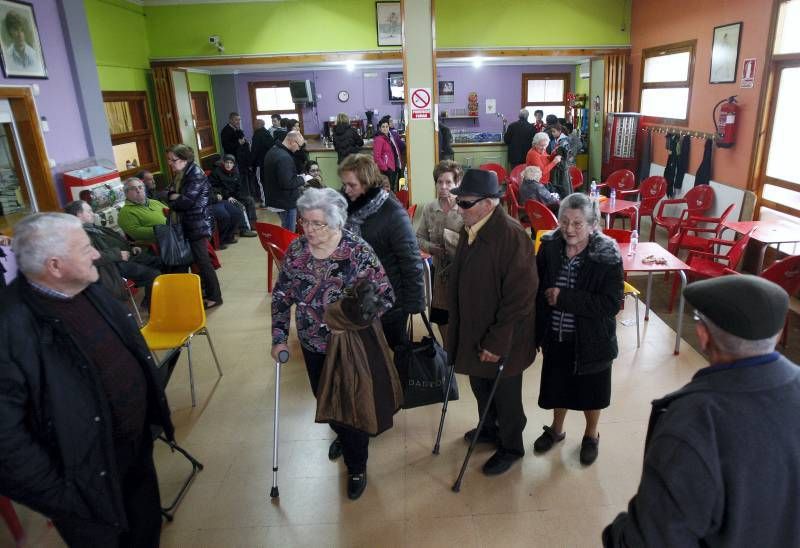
{"x": 660, "y": 22}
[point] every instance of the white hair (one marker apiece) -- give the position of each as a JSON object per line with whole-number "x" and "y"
{"x": 541, "y": 137}
{"x": 524, "y": 114}
{"x": 578, "y": 200}
{"x": 332, "y": 204}
{"x": 735, "y": 346}
{"x": 532, "y": 172}
{"x": 41, "y": 236}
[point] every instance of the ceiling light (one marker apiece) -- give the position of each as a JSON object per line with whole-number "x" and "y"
{"x": 350, "y": 66}
{"x": 477, "y": 62}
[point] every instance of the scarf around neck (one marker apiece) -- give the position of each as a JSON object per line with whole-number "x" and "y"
{"x": 364, "y": 207}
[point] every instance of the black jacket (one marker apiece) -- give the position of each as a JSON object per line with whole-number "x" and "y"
{"x": 56, "y": 448}
{"x": 346, "y": 141}
{"x": 445, "y": 143}
{"x": 194, "y": 203}
{"x": 518, "y": 137}
{"x": 720, "y": 462}
{"x": 262, "y": 142}
{"x": 226, "y": 183}
{"x": 392, "y": 237}
{"x": 595, "y": 300}
{"x": 109, "y": 243}
{"x": 279, "y": 176}
{"x": 228, "y": 139}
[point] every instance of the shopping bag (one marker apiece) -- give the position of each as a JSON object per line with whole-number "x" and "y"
{"x": 173, "y": 248}
{"x": 422, "y": 367}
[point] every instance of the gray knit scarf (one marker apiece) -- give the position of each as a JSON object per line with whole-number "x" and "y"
{"x": 357, "y": 217}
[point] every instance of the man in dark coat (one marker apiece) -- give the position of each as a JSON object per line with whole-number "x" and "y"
{"x": 519, "y": 138}
{"x": 721, "y": 454}
{"x": 80, "y": 394}
{"x": 492, "y": 302}
{"x": 228, "y": 137}
{"x": 262, "y": 142}
{"x": 281, "y": 181}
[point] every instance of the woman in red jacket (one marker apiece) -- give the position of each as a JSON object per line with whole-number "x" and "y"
{"x": 538, "y": 157}
{"x": 385, "y": 153}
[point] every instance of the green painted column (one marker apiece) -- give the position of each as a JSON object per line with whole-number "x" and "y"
{"x": 418, "y": 47}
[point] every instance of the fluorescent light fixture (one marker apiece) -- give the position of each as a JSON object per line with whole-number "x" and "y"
{"x": 350, "y": 66}
{"x": 477, "y": 62}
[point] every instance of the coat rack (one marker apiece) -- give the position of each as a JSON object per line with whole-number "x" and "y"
{"x": 680, "y": 131}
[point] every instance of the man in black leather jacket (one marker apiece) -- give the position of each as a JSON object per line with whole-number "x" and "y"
{"x": 80, "y": 393}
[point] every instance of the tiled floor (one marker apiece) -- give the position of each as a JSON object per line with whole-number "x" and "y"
{"x": 543, "y": 501}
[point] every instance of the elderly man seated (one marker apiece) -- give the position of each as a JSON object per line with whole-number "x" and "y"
{"x": 140, "y": 214}
{"x": 118, "y": 259}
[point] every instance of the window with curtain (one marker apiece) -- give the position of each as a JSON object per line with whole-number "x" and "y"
{"x": 546, "y": 92}
{"x": 268, "y": 98}
{"x": 203, "y": 126}
{"x": 128, "y": 117}
{"x": 666, "y": 84}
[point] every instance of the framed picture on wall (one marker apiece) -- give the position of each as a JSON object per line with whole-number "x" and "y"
{"x": 725, "y": 53}
{"x": 20, "y": 46}
{"x": 388, "y": 23}
{"x": 447, "y": 91}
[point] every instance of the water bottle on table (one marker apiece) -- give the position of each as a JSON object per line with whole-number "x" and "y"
{"x": 613, "y": 197}
{"x": 634, "y": 242}
{"x": 593, "y": 190}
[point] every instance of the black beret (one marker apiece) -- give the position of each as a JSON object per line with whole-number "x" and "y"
{"x": 746, "y": 306}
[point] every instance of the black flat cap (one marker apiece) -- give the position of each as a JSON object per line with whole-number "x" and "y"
{"x": 745, "y": 306}
{"x": 479, "y": 182}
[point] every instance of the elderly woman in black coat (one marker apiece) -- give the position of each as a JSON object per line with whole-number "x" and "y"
{"x": 191, "y": 199}
{"x": 580, "y": 291}
{"x": 377, "y": 216}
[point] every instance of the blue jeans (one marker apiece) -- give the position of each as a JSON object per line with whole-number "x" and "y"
{"x": 288, "y": 219}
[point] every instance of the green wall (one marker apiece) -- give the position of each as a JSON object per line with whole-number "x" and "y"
{"x": 262, "y": 27}
{"x": 478, "y": 23}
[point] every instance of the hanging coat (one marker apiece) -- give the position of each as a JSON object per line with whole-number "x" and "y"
{"x": 645, "y": 157}
{"x": 703, "y": 176}
{"x": 359, "y": 386}
{"x": 682, "y": 163}
{"x": 559, "y": 175}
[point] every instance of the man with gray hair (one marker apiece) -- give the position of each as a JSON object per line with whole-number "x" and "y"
{"x": 518, "y": 137}
{"x": 140, "y": 214}
{"x": 79, "y": 395}
{"x": 722, "y": 453}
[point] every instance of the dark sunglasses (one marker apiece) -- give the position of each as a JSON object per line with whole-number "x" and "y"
{"x": 466, "y": 204}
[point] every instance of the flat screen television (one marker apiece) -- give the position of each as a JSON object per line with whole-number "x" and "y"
{"x": 396, "y": 89}
{"x": 302, "y": 91}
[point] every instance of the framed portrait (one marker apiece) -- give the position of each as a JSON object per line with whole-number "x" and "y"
{"x": 447, "y": 91}
{"x": 388, "y": 23}
{"x": 20, "y": 46}
{"x": 725, "y": 53}
{"x": 397, "y": 92}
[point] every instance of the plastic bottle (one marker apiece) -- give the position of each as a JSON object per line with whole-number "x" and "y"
{"x": 613, "y": 196}
{"x": 634, "y": 242}
{"x": 593, "y": 190}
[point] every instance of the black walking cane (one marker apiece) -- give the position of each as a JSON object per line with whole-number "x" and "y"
{"x": 283, "y": 357}
{"x": 450, "y": 373}
{"x": 457, "y": 484}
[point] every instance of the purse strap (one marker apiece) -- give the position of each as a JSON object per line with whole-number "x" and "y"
{"x": 427, "y": 323}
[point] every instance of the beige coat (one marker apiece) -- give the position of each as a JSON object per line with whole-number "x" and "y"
{"x": 430, "y": 232}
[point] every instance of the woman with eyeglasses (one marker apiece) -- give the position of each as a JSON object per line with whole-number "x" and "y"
{"x": 437, "y": 234}
{"x": 375, "y": 214}
{"x": 580, "y": 291}
{"x": 319, "y": 267}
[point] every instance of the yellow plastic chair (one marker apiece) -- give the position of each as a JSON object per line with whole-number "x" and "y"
{"x": 538, "y": 241}
{"x": 177, "y": 315}
{"x": 629, "y": 290}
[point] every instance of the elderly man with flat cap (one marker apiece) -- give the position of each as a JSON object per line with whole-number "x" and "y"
{"x": 722, "y": 454}
{"x": 492, "y": 302}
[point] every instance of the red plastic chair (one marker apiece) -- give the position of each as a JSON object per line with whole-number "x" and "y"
{"x": 540, "y": 216}
{"x": 649, "y": 193}
{"x": 275, "y": 240}
{"x": 576, "y": 176}
{"x": 704, "y": 264}
{"x": 502, "y": 174}
{"x": 411, "y": 211}
{"x": 512, "y": 205}
{"x": 619, "y": 180}
{"x": 620, "y": 235}
{"x": 688, "y": 234}
{"x": 785, "y": 273}
{"x": 697, "y": 201}
{"x": 516, "y": 175}
{"x": 402, "y": 196}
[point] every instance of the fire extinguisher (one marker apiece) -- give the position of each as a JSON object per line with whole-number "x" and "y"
{"x": 726, "y": 122}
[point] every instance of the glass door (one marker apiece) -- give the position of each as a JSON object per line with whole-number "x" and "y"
{"x": 16, "y": 195}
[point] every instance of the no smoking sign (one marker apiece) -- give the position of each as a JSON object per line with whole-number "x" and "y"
{"x": 421, "y": 104}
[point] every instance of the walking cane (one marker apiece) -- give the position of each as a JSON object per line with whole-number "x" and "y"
{"x": 457, "y": 484}
{"x": 450, "y": 373}
{"x": 283, "y": 357}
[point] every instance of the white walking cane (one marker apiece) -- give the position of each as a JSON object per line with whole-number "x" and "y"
{"x": 283, "y": 357}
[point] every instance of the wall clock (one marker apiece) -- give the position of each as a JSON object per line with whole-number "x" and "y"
{"x": 344, "y": 96}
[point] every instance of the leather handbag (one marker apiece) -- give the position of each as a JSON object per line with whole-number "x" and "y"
{"x": 173, "y": 248}
{"x": 422, "y": 367}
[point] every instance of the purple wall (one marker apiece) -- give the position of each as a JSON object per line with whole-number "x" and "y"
{"x": 503, "y": 83}
{"x": 57, "y": 100}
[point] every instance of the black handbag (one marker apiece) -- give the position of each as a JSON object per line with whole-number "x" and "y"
{"x": 173, "y": 248}
{"x": 422, "y": 367}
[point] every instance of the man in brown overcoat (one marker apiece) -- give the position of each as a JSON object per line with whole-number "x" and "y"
{"x": 492, "y": 306}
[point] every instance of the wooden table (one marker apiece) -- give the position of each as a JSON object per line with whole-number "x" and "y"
{"x": 762, "y": 234}
{"x": 633, "y": 263}
{"x": 607, "y": 209}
